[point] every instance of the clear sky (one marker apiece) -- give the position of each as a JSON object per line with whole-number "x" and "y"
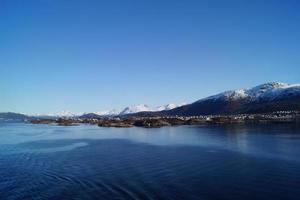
{"x": 84, "y": 55}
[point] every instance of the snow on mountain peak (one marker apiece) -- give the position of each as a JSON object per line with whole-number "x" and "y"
{"x": 268, "y": 90}
{"x": 165, "y": 107}
{"x": 145, "y": 108}
{"x": 272, "y": 85}
{"x": 59, "y": 114}
{"x": 108, "y": 112}
{"x": 114, "y": 112}
{"x": 135, "y": 108}
{"x": 66, "y": 113}
{"x": 169, "y": 106}
{"x": 266, "y": 87}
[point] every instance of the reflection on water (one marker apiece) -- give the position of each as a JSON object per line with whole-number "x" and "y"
{"x": 186, "y": 162}
{"x": 266, "y": 140}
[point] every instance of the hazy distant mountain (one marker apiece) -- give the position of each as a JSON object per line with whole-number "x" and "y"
{"x": 268, "y": 97}
{"x": 144, "y": 108}
{"x": 58, "y": 114}
{"x": 168, "y": 106}
{"x": 112, "y": 112}
{"x": 9, "y": 116}
{"x": 135, "y": 109}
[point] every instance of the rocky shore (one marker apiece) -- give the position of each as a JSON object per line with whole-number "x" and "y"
{"x": 60, "y": 121}
{"x": 156, "y": 122}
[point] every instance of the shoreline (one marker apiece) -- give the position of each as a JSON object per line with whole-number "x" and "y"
{"x": 157, "y": 122}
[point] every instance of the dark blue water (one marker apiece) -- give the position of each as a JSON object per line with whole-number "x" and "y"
{"x": 187, "y": 162}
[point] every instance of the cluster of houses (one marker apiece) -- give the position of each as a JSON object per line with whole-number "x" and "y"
{"x": 159, "y": 121}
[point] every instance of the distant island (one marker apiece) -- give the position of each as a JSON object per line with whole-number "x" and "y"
{"x": 270, "y": 102}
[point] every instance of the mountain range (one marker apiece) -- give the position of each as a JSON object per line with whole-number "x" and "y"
{"x": 10, "y": 116}
{"x": 114, "y": 112}
{"x": 264, "y": 98}
{"x": 144, "y": 108}
{"x": 268, "y": 97}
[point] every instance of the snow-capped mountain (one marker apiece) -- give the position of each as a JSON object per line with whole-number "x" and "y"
{"x": 144, "y": 108}
{"x": 265, "y": 91}
{"x": 268, "y": 97}
{"x": 113, "y": 112}
{"x": 59, "y": 114}
{"x": 66, "y": 114}
{"x": 168, "y": 106}
{"x": 135, "y": 108}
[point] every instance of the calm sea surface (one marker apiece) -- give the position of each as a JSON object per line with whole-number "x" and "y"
{"x": 186, "y": 162}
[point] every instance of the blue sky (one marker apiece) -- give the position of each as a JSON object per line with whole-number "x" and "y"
{"x": 85, "y": 55}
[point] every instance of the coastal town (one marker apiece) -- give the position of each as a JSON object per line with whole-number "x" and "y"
{"x": 161, "y": 121}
